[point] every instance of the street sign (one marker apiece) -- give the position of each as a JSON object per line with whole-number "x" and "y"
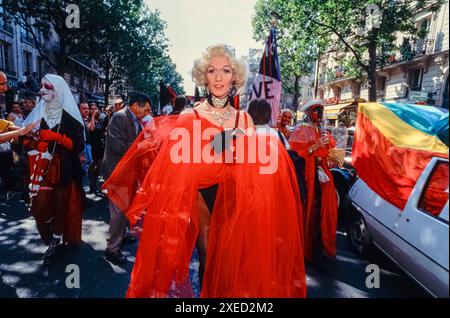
{"x": 418, "y": 96}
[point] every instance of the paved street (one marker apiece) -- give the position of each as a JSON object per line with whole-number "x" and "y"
{"x": 23, "y": 275}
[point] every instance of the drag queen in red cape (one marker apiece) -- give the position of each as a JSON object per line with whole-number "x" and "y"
{"x": 312, "y": 142}
{"x": 200, "y": 179}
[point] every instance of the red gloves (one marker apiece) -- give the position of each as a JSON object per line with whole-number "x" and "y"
{"x": 42, "y": 146}
{"x": 48, "y": 135}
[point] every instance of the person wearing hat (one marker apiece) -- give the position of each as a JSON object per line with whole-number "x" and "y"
{"x": 312, "y": 142}
{"x": 118, "y": 104}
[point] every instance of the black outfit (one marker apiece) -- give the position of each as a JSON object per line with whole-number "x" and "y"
{"x": 299, "y": 166}
{"x": 97, "y": 141}
{"x": 6, "y": 170}
{"x": 59, "y": 204}
{"x": 70, "y": 160}
{"x": 209, "y": 194}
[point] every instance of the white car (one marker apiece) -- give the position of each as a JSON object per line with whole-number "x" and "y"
{"x": 415, "y": 239}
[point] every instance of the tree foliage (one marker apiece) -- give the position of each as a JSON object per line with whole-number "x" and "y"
{"x": 124, "y": 37}
{"x": 297, "y": 52}
{"x": 346, "y": 25}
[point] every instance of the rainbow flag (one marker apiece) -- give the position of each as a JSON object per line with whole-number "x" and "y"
{"x": 394, "y": 143}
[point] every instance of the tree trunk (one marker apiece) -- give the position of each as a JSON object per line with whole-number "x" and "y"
{"x": 372, "y": 71}
{"x": 108, "y": 81}
{"x": 106, "y": 92}
{"x": 296, "y": 92}
{"x": 61, "y": 58}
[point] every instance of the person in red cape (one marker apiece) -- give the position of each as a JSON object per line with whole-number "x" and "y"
{"x": 312, "y": 142}
{"x": 57, "y": 195}
{"x": 206, "y": 185}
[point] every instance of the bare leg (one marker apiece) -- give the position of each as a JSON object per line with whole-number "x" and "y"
{"x": 204, "y": 218}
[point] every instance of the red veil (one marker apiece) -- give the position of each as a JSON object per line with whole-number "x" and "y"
{"x": 255, "y": 246}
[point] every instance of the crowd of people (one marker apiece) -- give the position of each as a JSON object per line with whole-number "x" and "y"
{"x": 253, "y": 231}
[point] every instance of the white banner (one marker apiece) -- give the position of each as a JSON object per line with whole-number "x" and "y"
{"x": 268, "y": 88}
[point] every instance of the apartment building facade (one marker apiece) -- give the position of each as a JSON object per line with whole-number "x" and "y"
{"x": 417, "y": 73}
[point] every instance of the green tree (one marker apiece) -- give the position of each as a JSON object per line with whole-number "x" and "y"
{"x": 45, "y": 17}
{"x": 151, "y": 62}
{"x": 124, "y": 37}
{"x": 114, "y": 40}
{"x": 297, "y": 51}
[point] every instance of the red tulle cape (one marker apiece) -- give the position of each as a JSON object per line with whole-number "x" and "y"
{"x": 255, "y": 246}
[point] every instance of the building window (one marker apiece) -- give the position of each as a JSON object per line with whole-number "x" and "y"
{"x": 381, "y": 86}
{"x": 27, "y": 62}
{"x": 4, "y": 25}
{"x": 322, "y": 94}
{"x": 423, "y": 45}
{"x": 415, "y": 79}
{"x": 26, "y": 34}
{"x": 6, "y": 57}
{"x": 357, "y": 90}
{"x": 337, "y": 92}
{"x": 424, "y": 27}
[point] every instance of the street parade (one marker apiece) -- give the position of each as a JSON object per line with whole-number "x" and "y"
{"x": 279, "y": 149}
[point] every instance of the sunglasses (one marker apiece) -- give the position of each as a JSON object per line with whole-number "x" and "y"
{"x": 47, "y": 86}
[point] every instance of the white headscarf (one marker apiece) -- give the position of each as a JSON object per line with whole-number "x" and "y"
{"x": 52, "y": 111}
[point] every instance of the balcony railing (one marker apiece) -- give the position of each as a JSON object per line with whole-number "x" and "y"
{"x": 321, "y": 79}
{"x": 28, "y": 38}
{"x": 410, "y": 50}
{"x": 423, "y": 46}
{"x": 6, "y": 27}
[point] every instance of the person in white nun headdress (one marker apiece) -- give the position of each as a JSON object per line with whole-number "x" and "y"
{"x": 57, "y": 196}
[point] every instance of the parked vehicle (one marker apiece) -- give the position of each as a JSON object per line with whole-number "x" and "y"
{"x": 345, "y": 177}
{"x": 415, "y": 238}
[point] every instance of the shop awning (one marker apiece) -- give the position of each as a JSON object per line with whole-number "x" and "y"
{"x": 332, "y": 111}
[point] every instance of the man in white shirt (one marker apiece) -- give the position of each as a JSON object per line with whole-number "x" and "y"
{"x": 261, "y": 112}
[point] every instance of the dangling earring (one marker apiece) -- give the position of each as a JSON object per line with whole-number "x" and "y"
{"x": 233, "y": 91}
{"x": 208, "y": 95}
{"x": 231, "y": 94}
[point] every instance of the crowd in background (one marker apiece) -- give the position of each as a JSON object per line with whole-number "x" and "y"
{"x": 13, "y": 156}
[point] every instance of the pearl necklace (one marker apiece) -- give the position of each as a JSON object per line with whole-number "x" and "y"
{"x": 221, "y": 118}
{"x": 219, "y": 102}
